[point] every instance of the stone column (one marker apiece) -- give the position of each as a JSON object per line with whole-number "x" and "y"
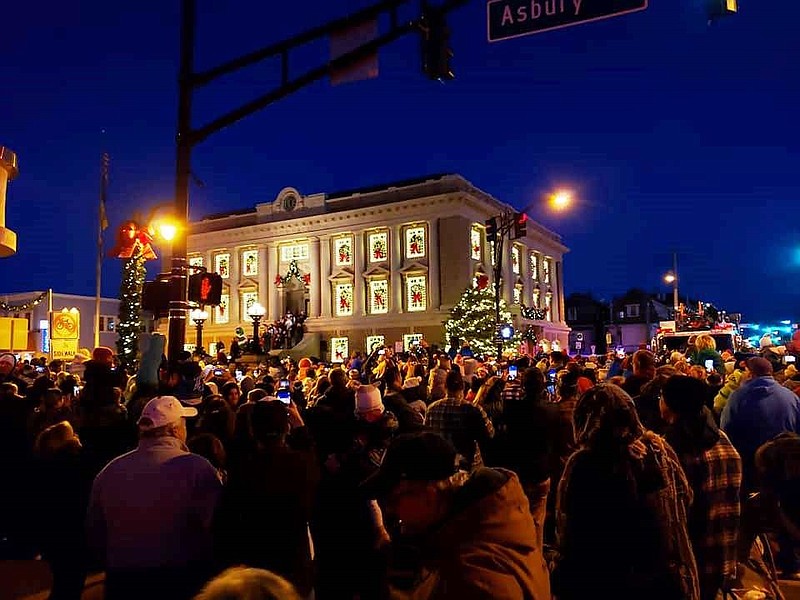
{"x": 395, "y": 264}
{"x": 235, "y": 278}
{"x": 316, "y": 278}
{"x": 559, "y": 293}
{"x": 434, "y": 286}
{"x": 274, "y": 265}
{"x": 525, "y": 274}
{"x": 263, "y": 276}
{"x": 325, "y": 272}
{"x": 359, "y": 260}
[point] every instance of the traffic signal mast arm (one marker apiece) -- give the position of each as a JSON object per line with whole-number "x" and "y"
{"x": 431, "y": 23}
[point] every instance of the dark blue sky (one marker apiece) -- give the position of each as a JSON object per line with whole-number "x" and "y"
{"x": 677, "y": 136}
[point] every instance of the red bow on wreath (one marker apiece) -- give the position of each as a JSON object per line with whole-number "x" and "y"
{"x": 278, "y": 280}
{"x": 416, "y": 297}
{"x": 483, "y": 282}
{"x": 307, "y": 279}
{"x": 133, "y": 241}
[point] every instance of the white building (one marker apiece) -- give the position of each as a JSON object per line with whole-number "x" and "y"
{"x": 381, "y": 264}
{"x": 34, "y": 307}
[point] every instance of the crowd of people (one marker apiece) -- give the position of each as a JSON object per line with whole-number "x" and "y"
{"x": 418, "y": 475}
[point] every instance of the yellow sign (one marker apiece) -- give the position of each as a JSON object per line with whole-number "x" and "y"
{"x": 13, "y": 334}
{"x": 65, "y": 325}
{"x": 64, "y": 349}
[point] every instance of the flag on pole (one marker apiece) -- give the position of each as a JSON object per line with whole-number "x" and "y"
{"x": 349, "y": 39}
{"x": 103, "y": 190}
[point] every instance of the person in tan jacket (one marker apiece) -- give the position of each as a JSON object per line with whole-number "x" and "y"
{"x": 458, "y": 535}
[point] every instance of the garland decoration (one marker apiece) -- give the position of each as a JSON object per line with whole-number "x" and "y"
{"x": 293, "y": 273}
{"x": 533, "y": 314}
{"x": 14, "y": 308}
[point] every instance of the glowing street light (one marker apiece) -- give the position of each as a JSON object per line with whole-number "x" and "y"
{"x": 670, "y": 277}
{"x": 561, "y": 200}
{"x": 199, "y": 317}
{"x": 256, "y": 312}
{"x": 167, "y": 230}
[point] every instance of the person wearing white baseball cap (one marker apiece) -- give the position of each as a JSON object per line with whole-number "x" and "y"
{"x": 151, "y": 510}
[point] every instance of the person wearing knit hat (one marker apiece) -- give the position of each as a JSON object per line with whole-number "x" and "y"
{"x": 369, "y": 405}
{"x": 714, "y": 470}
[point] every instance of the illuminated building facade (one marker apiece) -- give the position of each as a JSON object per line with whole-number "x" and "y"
{"x": 381, "y": 264}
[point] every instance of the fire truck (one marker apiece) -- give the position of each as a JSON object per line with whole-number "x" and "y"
{"x": 669, "y": 337}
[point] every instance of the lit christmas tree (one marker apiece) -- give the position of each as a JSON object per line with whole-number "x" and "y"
{"x": 472, "y": 321}
{"x": 130, "y": 309}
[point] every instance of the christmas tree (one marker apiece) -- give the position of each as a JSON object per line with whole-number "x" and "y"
{"x": 130, "y": 310}
{"x": 472, "y": 321}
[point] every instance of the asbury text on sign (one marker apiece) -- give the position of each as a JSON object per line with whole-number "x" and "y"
{"x": 515, "y": 18}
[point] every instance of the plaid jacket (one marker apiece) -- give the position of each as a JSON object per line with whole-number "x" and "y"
{"x": 463, "y": 424}
{"x": 716, "y": 477}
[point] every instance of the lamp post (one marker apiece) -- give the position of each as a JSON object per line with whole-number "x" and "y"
{"x": 256, "y": 312}
{"x": 672, "y": 278}
{"x": 199, "y": 317}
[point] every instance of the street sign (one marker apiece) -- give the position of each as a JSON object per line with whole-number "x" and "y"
{"x": 515, "y": 18}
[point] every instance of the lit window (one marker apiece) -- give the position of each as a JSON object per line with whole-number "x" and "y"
{"x": 221, "y": 311}
{"x": 340, "y": 349}
{"x": 517, "y": 294}
{"x": 415, "y": 242}
{"x": 195, "y": 261}
{"x": 375, "y": 341}
{"x": 515, "y": 260}
{"x": 110, "y": 324}
{"x": 632, "y": 311}
{"x": 416, "y": 293}
{"x": 343, "y": 251}
{"x": 222, "y": 265}
{"x": 378, "y": 247}
{"x": 250, "y": 263}
{"x": 548, "y": 305}
{"x": 537, "y": 298}
{"x": 410, "y": 340}
{"x": 534, "y": 266}
{"x": 378, "y": 296}
{"x": 344, "y": 299}
{"x": 476, "y": 243}
{"x": 248, "y": 299}
{"x": 546, "y": 271}
{"x": 294, "y": 252}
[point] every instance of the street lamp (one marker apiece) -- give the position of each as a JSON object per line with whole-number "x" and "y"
{"x": 672, "y": 278}
{"x": 256, "y": 312}
{"x": 561, "y": 200}
{"x": 199, "y": 317}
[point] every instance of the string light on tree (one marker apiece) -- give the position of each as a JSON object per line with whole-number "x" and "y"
{"x": 472, "y": 320}
{"x": 130, "y": 310}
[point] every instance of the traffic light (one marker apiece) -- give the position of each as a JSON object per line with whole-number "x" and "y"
{"x": 722, "y": 8}
{"x": 436, "y": 52}
{"x": 520, "y": 225}
{"x": 205, "y": 289}
{"x": 491, "y": 230}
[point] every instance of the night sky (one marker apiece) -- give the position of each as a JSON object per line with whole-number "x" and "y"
{"x": 675, "y": 135}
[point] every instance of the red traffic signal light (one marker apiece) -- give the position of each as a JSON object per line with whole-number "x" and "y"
{"x": 520, "y": 225}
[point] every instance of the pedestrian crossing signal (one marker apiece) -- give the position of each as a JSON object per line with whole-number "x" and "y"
{"x": 205, "y": 289}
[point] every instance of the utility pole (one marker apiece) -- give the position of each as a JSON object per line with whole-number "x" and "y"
{"x": 432, "y": 24}
{"x": 507, "y": 225}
